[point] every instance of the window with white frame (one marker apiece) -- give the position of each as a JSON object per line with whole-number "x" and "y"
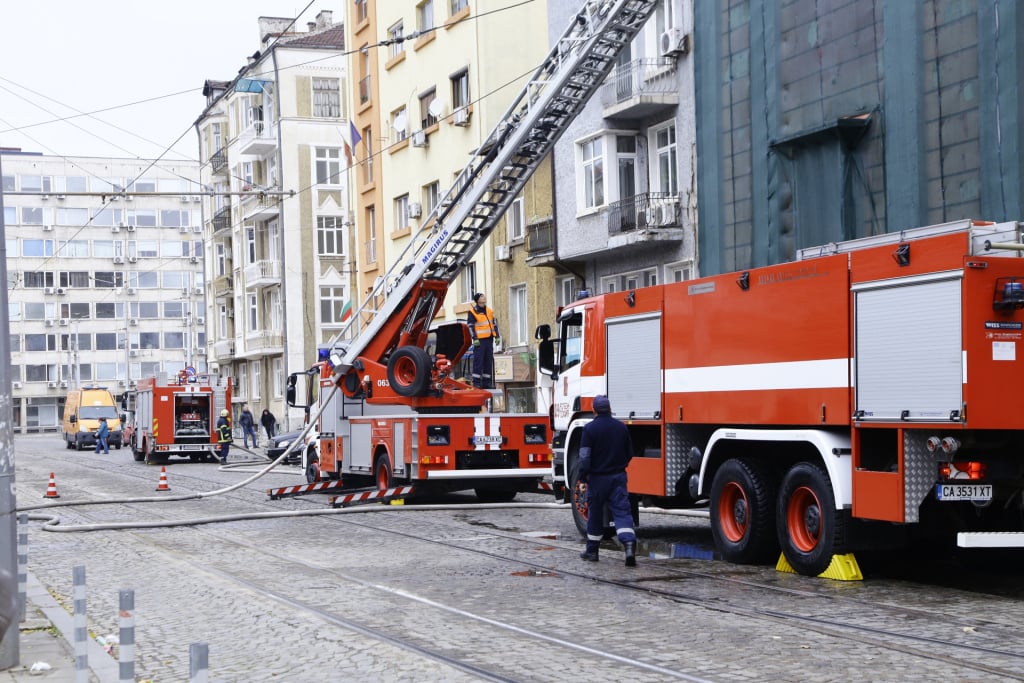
{"x": 242, "y": 381}
{"x": 565, "y": 290}
{"x": 254, "y": 377}
{"x": 328, "y": 165}
{"x": 625, "y": 160}
{"x": 664, "y": 170}
{"x": 361, "y": 10}
{"x": 245, "y": 174}
{"x": 431, "y": 196}
{"x": 468, "y": 282}
{"x": 250, "y": 244}
{"x": 77, "y": 249}
{"x": 427, "y": 118}
{"x": 276, "y": 310}
{"x": 518, "y": 321}
{"x": 277, "y": 377}
{"x": 222, "y": 321}
{"x": 330, "y": 236}
{"x": 221, "y": 259}
{"x": 425, "y": 15}
{"x": 631, "y": 280}
{"x": 517, "y": 220}
{"x": 253, "y": 312}
{"x": 592, "y": 173}
{"x": 460, "y": 88}
{"x": 332, "y": 304}
{"x": 458, "y": 5}
{"x": 679, "y": 272}
{"x": 326, "y": 98}
{"x": 273, "y": 240}
{"x": 368, "y": 161}
{"x": 400, "y": 124}
{"x": 396, "y": 34}
{"x": 401, "y": 212}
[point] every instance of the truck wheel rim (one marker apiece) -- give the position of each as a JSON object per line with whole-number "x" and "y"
{"x": 405, "y": 370}
{"x": 803, "y": 519}
{"x": 382, "y": 478}
{"x": 733, "y": 512}
{"x": 579, "y": 498}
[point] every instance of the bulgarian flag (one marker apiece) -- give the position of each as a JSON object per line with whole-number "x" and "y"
{"x": 353, "y": 139}
{"x": 346, "y": 311}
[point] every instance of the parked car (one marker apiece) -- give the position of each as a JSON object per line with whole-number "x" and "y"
{"x": 280, "y": 443}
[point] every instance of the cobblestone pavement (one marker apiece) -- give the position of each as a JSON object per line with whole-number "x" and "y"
{"x": 485, "y": 593}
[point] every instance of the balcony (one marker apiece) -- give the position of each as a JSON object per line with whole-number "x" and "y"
{"x": 259, "y": 206}
{"x": 259, "y": 138}
{"x": 641, "y": 89}
{"x": 224, "y": 350}
{"x": 222, "y": 219}
{"x": 219, "y": 162}
{"x": 223, "y": 286}
{"x": 540, "y": 243}
{"x": 262, "y": 274}
{"x": 648, "y": 217}
{"x": 263, "y": 343}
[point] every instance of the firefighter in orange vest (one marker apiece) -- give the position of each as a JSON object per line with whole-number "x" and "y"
{"x": 224, "y": 437}
{"x": 483, "y": 328}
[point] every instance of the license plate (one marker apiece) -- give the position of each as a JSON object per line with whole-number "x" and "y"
{"x": 981, "y": 492}
{"x": 487, "y": 440}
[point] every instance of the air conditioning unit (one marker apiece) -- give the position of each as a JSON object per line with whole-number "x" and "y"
{"x": 132, "y": 384}
{"x": 51, "y": 385}
{"x": 460, "y": 117}
{"x": 198, "y": 229}
{"x": 119, "y": 259}
{"x": 133, "y": 354}
{"x": 115, "y": 228}
{"x": 200, "y": 352}
{"x": 184, "y": 199}
{"x": 49, "y": 290}
{"x": 16, "y": 385}
{"x": 133, "y": 259}
{"x": 44, "y": 197}
{"x": 415, "y": 209}
{"x": 62, "y": 290}
{"x": 133, "y": 322}
{"x": 673, "y": 42}
{"x": 130, "y": 290}
{"x": 666, "y": 214}
{"x": 196, "y": 199}
{"x": 64, "y": 384}
{"x": 200, "y": 320}
{"x": 49, "y": 322}
{"x": 47, "y": 228}
{"x": 128, "y": 197}
{"x": 502, "y": 252}
{"x": 122, "y": 382}
{"x": 60, "y": 196}
{"x": 230, "y": 313}
{"x": 130, "y": 228}
{"x": 183, "y": 229}
{"x": 64, "y": 322}
{"x": 193, "y": 259}
{"x": 197, "y": 290}
{"x": 419, "y": 138}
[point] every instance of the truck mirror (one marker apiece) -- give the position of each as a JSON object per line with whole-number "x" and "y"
{"x": 546, "y": 358}
{"x": 74, "y": 419}
{"x": 543, "y": 332}
{"x": 289, "y": 391}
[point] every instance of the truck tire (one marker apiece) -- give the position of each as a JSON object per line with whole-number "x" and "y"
{"x": 409, "y": 371}
{"x": 578, "y": 503}
{"x": 743, "y": 512}
{"x": 382, "y": 472}
{"x": 810, "y": 529}
{"x": 313, "y": 470}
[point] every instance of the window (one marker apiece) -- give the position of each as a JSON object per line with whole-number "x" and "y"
{"x": 459, "y": 5}
{"x": 107, "y": 248}
{"x": 665, "y": 168}
{"x": 460, "y": 89}
{"x": 364, "y": 80}
{"x": 250, "y": 245}
{"x": 32, "y": 215}
{"x": 468, "y": 280}
{"x": 106, "y": 341}
{"x": 242, "y": 381}
{"x": 174, "y": 340}
{"x": 10, "y": 216}
{"x": 40, "y": 342}
{"x": 518, "y": 322}
{"x": 76, "y": 217}
{"x": 37, "y": 280}
{"x": 328, "y": 165}
{"x": 276, "y": 311}
{"x": 326, "y": 98}
{"x": 371, "y": 235}
{"x": 143, "y": 218}
{"x": 221, "y": 257}
{"x": 679, "y": 272}
{"x": 565, "y": 290}
{"x": 592, "y": 177}
{"x": 37, "y": 248}
{"x": 143, "y": 280}
{"x": 427, "y": 116}
{"x": 8, "y": 184}
{"x": 425, "y": 15}
{"x": 77, "y": 278}
{"x": 332, "y": 304}
{"x": 396, "y": 34}
{"x": 401, "y": 212}
{"x": 431, "y": 196}
{"x": 175, "y": 309}
{"x": 368, "y": 161}
{"x": 277, "y": 376}
{"x": 74, "y": 249}
{"x": 517, "y": 220}
{"x": 108, "y": 279}
{"x": 361, "y": 14}
{"x": 176, "y": 279}
{"x": 109, "y": 310}
{"x": 75, "y": 311}
{"x": 253, "y": 313}
{"x": 625, "y": 161}
{"x": 254, "y": 377}
{"x": 400, "y": 124}
{"x": 330, "y": 235}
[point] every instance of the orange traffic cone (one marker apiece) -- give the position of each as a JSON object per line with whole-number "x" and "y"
{"x": 162, "y": 486}
{"x": 51, "y": 488}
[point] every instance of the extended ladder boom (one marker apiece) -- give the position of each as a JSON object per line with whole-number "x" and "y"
{"x": 469, "y": 211}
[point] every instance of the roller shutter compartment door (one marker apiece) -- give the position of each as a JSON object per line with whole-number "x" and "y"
{"x": 634, "y": 366}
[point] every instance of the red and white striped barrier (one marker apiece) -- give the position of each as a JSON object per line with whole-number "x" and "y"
{"x": 371, "y": 496}
{"x": 316, "y": 487}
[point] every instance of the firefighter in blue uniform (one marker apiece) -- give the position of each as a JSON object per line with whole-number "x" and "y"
{"x": 605, "y": 451}
{"x": 224, "y": 435}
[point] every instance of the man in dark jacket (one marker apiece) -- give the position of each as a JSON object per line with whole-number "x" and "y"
{"x": 248, "y": 424}
{"x": 224, "y": 437}
{"x": 605, "y": 451}
{"x": 268, "y": 421}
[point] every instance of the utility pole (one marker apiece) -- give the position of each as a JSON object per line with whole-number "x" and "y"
{"x": 9, "y": 640}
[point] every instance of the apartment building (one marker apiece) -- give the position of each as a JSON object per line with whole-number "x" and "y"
{"x": 625, "y": 171}
{"x": 433, "y": 78}
{"x": 105, "y": 275}
{"x": 278, "y": 222}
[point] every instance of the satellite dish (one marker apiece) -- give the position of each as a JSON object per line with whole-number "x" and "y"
{"x": 436, "y": 107}
{"x": 401, "y": 123}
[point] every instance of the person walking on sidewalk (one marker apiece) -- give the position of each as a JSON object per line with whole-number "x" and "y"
{"x": 248, "y": 423}
{"x": 103, "y": 437}
{"x": 483, "y": 328}
{"x": 605, "y": 451}
{"x": 268, "y": 421}
{"x": 224, "y": 435}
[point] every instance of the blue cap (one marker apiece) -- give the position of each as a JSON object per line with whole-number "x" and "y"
{"x": 602, "y": 404}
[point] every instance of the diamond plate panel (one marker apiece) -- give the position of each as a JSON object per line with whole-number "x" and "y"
{"x": 918, "y": 472}
{"x": 677, "y": 444}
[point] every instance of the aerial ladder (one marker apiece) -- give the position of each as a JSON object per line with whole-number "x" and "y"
{"x": 381, "y": 355}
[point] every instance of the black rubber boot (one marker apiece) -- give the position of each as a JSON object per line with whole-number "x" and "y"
{"x": 630, "y": 547}
{"x": 590, "y": 554}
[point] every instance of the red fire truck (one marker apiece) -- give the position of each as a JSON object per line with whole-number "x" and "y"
{"x": 857, "y": 397}
{"x": 178, "y": 416}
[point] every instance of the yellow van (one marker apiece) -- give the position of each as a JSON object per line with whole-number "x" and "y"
{"x": 83, "y": 409}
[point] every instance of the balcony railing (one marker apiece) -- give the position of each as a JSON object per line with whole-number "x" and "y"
{"x": 262, "y": 274}
{"x": 641, "y": 88}
{"x": 219, "y": 161}
{"x": 223, "y": 286}
{"x": 264, "y": 343}
{"x": 540, "y": 238}
{"x": 222, "y": 219}
{"x": 650, "y": 210}
{"x": 258, "y": 138}
{"x": 224, "y": 350}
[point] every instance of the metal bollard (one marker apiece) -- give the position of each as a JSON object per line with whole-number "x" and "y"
{"x": 22, "y": 565}
{"x": 198, "y": 662}
{"x": 80, "y": 627}
{"x": 126, "y": 637}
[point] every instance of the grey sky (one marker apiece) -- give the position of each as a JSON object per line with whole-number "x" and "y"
{"x": 107, "y": 54}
